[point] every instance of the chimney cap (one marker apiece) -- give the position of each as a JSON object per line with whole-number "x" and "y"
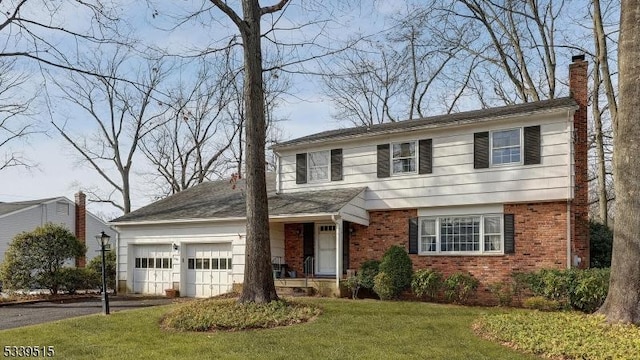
{"x": 576, "y": 58}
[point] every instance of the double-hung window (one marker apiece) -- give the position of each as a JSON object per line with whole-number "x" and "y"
{"x": 318, "y": 166}
{"x": 506, "y": 147}
{"x": 403, "y": 157}
{"x": 467, "y": 234}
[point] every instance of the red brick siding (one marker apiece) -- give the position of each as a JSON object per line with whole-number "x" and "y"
{"x": 579, "y": 206}
{"x": 540, "y": 238}
{"x": 293, "y": 250}
{"x": 81, "y": 224}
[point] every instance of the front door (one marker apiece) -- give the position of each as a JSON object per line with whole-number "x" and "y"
{"x": 326, "y": 254}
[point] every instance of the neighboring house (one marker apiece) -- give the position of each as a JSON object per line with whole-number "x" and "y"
{"x": 487, "y": 192}
{"x": 17, "y": 217}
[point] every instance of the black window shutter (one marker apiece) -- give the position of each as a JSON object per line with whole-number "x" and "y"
{"x": 532, "y": 145}
{"x": 346, "y": 236}
{"x": 413, "y": 235}
{"x": 301, "y": 168}
{"x": 481, "y": 150}
{"x": 509, "y": 234}
{"x": 383, "y": 161}
{"x": 308, "y": 234}
{"x": 336, "y": 164}
{"x": 426, "y": 156}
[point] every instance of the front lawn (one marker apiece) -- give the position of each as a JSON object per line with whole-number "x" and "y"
{"x": 347, "y": 329}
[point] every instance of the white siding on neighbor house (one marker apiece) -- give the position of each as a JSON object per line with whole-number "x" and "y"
{"x": 184, "y": 234}
{"x": 30, "y": 218}
{"x": 454, "y": 181}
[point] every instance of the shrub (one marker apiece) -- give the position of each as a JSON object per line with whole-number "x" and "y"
{"x": 459, "y": 286}
{"x": 95, "y": 265}
{"x": 426, "y": 283}
{"x": 583, "y": 290}
{"x": 503, "y": 291}
{"x": 383, "y": 286}
{"x": 74, "y": 279}
{"x": 353, "y": 285}
{"x": 589, "y": 289}
{"x": 397, "y": 265}
{"x": 368, "y": 271}
{"x": 601, "y": 242}
{"x": 541, "y": 303}
{"x": 35, "y": 259}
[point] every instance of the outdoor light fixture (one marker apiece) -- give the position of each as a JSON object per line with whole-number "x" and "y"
{"x": 175, "y": 247}
{"x": 103, "y": 241}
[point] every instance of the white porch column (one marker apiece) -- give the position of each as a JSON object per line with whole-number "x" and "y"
{"x": 339, "y": 250}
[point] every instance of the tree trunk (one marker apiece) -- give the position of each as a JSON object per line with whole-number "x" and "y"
{"x": 601, "y": 173}
{"x": 258, "y": 274}
{"x": 623, "y": 301}
{"x": 603, "y": 57}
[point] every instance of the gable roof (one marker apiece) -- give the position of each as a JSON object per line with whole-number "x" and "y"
{"x": 434, "y": 121}
{"x": 222, "y": 200}
{"x": 11, "y": 207}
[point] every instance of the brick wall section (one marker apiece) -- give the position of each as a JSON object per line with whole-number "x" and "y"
{"x": 580, "y": 224}
{"x": 540, "y": 240}
{"x": 81, "y": 223}
{"x": 293, "y": 250}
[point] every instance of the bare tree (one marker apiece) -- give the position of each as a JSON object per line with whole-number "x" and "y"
{"x": 623, "y": 300}
{"x": 123, "y": 113}
{"x": 14, "y": 110}
{"x": 188, "y": 147}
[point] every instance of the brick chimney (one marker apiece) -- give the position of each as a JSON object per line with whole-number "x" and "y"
{"x": 579, "y": 206}
{"x": 81, "y": 224}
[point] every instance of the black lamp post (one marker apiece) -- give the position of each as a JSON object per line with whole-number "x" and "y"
{"x": 103, "y": 241}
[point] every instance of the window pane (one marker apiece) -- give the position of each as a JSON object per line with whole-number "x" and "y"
{"x": 205, "y": 263}
{"x": 428, "y": 227}
{"x": 492, "y": 243}
{"x": 165, "y": 263}
{"x": 318, "y": 166}
{"x": 320, "y": 158}
{"x": 151, "y": 263}
{"x": 190, "y": 264}
{"x": 158, "y": 263}
{"x": 460, "y": 234}
{"x": 492, "y": 225}
{"x": 407, "y": 149}
{"x": 229, "y": 263}
{"x": 214, "y": 264}
{"x": 198, "y": 263}
{"x": 223, "y": 264}
{"x": 505, "y": 146}
{"x": 143, "y": 263}
{"x": 138, "y": 262}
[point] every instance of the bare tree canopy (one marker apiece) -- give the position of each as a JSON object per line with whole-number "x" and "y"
{"x": 122, "y": 112}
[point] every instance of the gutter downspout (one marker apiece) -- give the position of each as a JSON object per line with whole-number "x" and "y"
{"x": 278, "y": 170}
{"x": 570, "y": 186}
{"x": 338, "y": 221}
{"x": 115, "y": 291}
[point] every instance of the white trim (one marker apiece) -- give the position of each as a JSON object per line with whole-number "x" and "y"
{"x": 461, "y": 210}
{"x": 521, "y": 146}
{"x": 218, "y": 220}
{"x": 481, "y": 234}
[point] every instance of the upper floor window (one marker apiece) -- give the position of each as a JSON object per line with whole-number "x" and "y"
{"x": 505, "y": 147}
{"x": 318, "y": 166}
{"x": 404, "y": 157}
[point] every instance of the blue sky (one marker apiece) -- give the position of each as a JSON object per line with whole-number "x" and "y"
{"x": 59, "y": 171}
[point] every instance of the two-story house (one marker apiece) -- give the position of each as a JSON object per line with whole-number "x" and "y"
{"x": 21, "y": 216}
{"x": 487, "y": 192}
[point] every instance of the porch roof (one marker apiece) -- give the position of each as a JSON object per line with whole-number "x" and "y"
{"x": 219, "y": 200}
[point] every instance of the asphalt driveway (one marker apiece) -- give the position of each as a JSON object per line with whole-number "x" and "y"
{"x": 13, "y": 316}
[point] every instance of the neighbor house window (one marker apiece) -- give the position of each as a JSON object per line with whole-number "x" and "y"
{"x": 505, "y": 147}
{"x": 468, "y": 234}
{"x": 318, "y": 166}
{"x": 403, "y": 157}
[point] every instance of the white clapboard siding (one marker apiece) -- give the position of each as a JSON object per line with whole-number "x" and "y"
{"x": 193, "y": 233}
{"x": 453, "y": 181}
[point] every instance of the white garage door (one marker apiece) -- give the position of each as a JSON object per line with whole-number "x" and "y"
{"x": 152, "y": 269}
{"x": 208, "y": 269}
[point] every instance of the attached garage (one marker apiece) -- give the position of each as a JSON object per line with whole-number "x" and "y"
{"x": 208, "y": 269}
{"x": 152, "y": 269}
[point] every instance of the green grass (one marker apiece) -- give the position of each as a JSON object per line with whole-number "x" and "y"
{"x": 569, "y": 335}
{"x": 228, "y": 314}
{"x": 347, "y": 329}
